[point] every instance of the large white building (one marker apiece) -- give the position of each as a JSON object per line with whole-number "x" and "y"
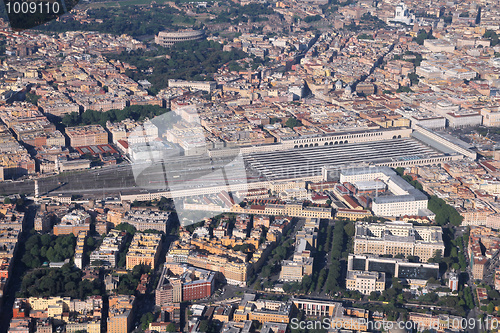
{"x": 208, "y": 86}
{"x": 439, "y": 45}
{"x": 464, "y": 119}
{"x": 395, "y": 267}
{"x": 398, "y": 238}
{"x": 491, "y": 116}
{"x": 150, "y": 151}
{"x": 400, "y": 205}
{"x": 365, "y": 282}
{"x": 454, "y": 114}
{"x": 406, "y": 200}
{"x": 147, "y": 219}
{"x": 423, "y": 117}
{"x": 402, "y": 15}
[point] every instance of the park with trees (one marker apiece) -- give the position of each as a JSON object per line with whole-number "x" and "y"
{"x": 66, "y": 281}
{"x": 47, "y": 248}
{"x": 128, "y": 282}
{"x": 252, "y": 12}
{"x": 335, "y": 241}
{"x": 91, "y": 117}
{"x": 192, "y": 60}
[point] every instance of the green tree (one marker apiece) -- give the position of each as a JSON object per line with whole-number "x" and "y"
{"x": 413, "y": 78}
{"x": 266, "y": 271}
{"x": 321, "y": 279}
{"x": 204, "y": 326}
{"x": 350, "y": 229}
{"x": 45, "y": 239}
{"x": 293, "y": 122}
{"x": 126, "y": 227}
{"x": 71, "y": 119}
{"x": 148, "y": 318}
{"x": 128, "y": 283}
{"x": 423, "y": 35}
{"x": 444, "y": 212}
{"x": 309, "y": 19}
{"x": 404, "y": 89}
{"x": 32, "y": 98}
{"x": 490, "y": 308}
{"x": 492, "y": 36}
{"x": 365, "y": 36}
{"x": 306, "y": 282}
{"x": 65, "y": 281}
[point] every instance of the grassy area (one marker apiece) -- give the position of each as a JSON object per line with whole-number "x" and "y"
{"x": 228, "y": 34}
{"x": 183, "y": 20}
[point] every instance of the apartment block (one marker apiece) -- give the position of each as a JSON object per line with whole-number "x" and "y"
{"x": 8, "y": 248}
{"x": 223, "y": 313}
{"x": 235, "y": 272}
{"x": 132, "y": 131}
{"x": 398, "y": 238}
{"x": 208, "y": 86}
{"x": 483, "y": 245}
{"x": 262, "y": 310}
{"x": 86, "y": 313}
{"x": 300, "y": 265}
{"x": 365, "y": 282}
{"x": 439, "y": 323}
{"x": 144, "y": 249}
{"x": 215, "y": 255}
{"x": 292, "y": 209}
{"x": 120, "y": 313}
{"x": 73, "y": 222}
{"x": 109, "y": 249}
{"x": 87, "y": 135}
{"x": 80, "y": 249}
{"x": 181, "y": 283}
{"x": 491, "y": 116}
{"x": 302, "y": 261}
{"x": 147, "y": 219}
{"x": 44, "y": 221}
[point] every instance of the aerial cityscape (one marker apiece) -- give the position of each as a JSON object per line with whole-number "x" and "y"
{"x": 249, "y": 166}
